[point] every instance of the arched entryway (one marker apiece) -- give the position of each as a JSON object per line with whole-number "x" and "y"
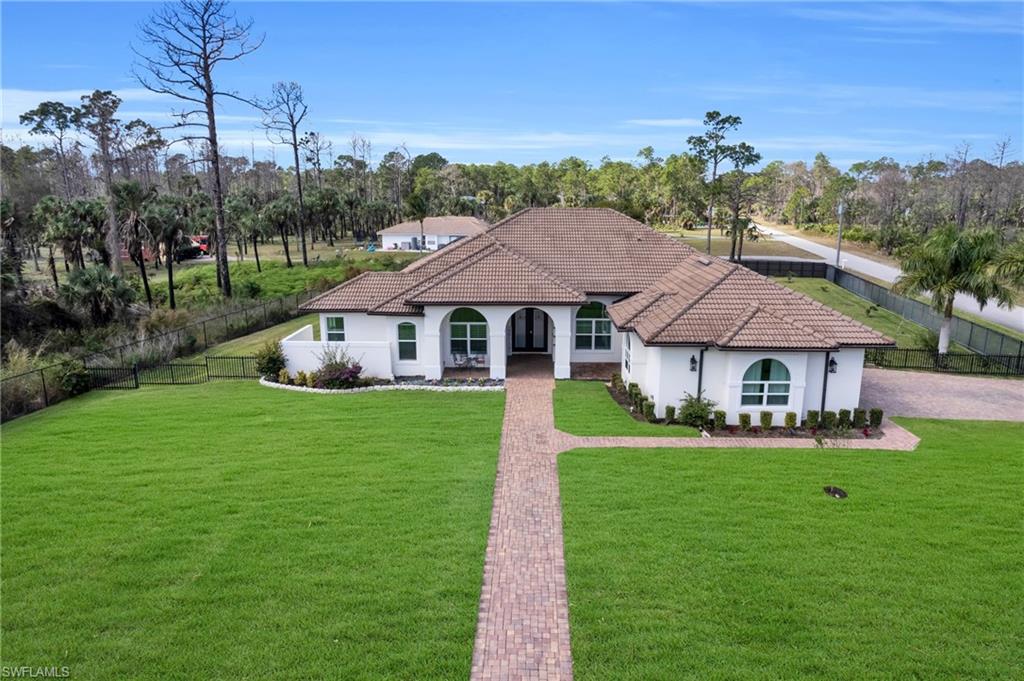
{"x": 529, "y": 330}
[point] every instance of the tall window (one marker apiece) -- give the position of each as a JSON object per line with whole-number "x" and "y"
{"x": 593, "y": 328}
{"x": 335, "y": 328}
{"x": 468, "y": 331}
{"x": 766, "y": 382}
{"x": 407, "y": 341}
{"x": 626, "y": 348}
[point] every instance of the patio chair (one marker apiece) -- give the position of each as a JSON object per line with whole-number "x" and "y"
{"x": 460, "y": 361}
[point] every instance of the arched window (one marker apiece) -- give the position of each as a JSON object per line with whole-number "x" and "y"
{"x": 766, "y": 382}
{"x": 468, "y": 331}
{"x": 407, "y": 341}
{"x": 593, "y": 328}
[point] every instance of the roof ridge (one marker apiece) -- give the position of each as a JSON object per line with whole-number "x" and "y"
{"x": 658, "y": 296}
{"x": 738, "y": 325}
{"x": 446, "y": 274}
{"x": 703, "y": 294}
{"x": 536, "y": 267}
{"x": 789, "y": 319}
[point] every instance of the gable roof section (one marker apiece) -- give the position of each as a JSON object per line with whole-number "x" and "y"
{"x": 707, "y": 301}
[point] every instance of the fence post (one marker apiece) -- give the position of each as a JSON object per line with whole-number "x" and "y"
{"x": 206, "y": 341}
{"x": 135, "y": 375}
{"x": 46, "y": 398}
{"x": 207, "y": 360}
{"x": 120, "y": 353}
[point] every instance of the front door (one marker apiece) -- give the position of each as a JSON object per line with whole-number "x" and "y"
{"x": 529, "y": 331}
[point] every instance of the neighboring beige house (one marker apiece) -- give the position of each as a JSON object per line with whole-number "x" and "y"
{"x": 591, "y": 285}
{"x": 436, "y": 233}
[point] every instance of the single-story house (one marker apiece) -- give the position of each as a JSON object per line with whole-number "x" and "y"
{"x": 591, "y": 285}
{"x": 436, "y": 233}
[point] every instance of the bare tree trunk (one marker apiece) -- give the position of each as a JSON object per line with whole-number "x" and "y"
{"x": 302, "y": 210}
{"x": 141, "y": 261}
{"x": 284, "y": 240}
{"x": 220, "y": 230}
{"x": 53, "y": 271}
{"x": 113, "y": 233}
{"x": 169, "y": 257}
{"x": 256, "y": 254}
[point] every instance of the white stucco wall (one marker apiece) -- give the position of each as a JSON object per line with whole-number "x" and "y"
{"x": 664, "y": 374}
{"x": 401, "y": 242}
{"x": 302, "y": 353}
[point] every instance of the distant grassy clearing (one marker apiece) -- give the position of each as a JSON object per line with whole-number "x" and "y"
{"x": 733, "y": 564}
{"x": 751, "y": 249}
{"x": 229, "y": 530}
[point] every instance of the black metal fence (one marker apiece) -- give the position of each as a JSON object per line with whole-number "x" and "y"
{"x": 174, "y": 373}
{"x": 976, "y": 337}
{"x": 113, "y": 378}
{"x": 951, "y": 362}
{"x": 36, "y": 389}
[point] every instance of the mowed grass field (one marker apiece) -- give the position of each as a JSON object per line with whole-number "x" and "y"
{"x": 229, "y": 530}
{"x": 733, "y": 564}
{"x": 586, "y": 408}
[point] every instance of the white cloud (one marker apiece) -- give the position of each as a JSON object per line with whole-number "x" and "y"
{"x": 16, "y": 101}
{"x": 916, "y": 19}
{"x": 666, "y": 122}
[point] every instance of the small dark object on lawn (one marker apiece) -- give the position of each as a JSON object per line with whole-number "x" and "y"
{"x": 835, "y": 492}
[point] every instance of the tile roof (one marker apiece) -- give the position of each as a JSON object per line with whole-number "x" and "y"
{"x": 550, "y": 256}
{"x": 707, "y": 301}
{"x": 444, "y": 225}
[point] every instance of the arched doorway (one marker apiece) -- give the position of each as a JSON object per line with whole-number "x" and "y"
{"x": 529, "y": 330}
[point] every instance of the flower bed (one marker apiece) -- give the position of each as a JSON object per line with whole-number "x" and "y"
{"x": 438, "y": 386}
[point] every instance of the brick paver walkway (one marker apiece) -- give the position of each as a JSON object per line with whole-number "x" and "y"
{"x": 523, "y": 620}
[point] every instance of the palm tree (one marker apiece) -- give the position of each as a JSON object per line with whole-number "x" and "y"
{"x": 417, "y": 207}
{"x": 243, "y": 208}
{"x": 168, "y": 221}
{"x": 952, "y": 261}
{"x": 47, "y": 215}
{"x": 100, "y": 291}
{"x": 130, "y": 201}
{"x": 1010, "y": 264}
{"x": 281, "y": 214}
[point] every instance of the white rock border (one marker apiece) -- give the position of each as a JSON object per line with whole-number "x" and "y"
{"x": 378, "y": 388}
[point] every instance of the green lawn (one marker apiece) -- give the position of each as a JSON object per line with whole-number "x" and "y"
{"x": 586, "y": 408}
{"x": 907, "y": 334}
{"x": 234, "y": 531}
{"x": 729, "y": 564}
{"x": 250, "y": 343}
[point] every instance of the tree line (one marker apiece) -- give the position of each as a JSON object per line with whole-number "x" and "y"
{"x": 109, "y": 193}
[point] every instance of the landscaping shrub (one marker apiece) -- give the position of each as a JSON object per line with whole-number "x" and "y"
{"x": 311, "y": 379}
{"x": 828, "y": 420}
{"x": 719, "y": 419}
{"x": 875, "y": 417}
{"x": 270, "y": 359}
{"x": 338, "y": 370}
{"x": 649, "y": 410}
{"x": 616, "y": 381}
{"x": 744, "y": 421}
{"x": 670, "y": 414}
{"x": 283, "y": 377}
{"x": 633, "y": 390}
{"x": 75, "y": 380}
{"x": 843, "y": 419}
{"x": 790, "y": 420}
{"x": 859, "y": 418}
{"x": 300, "y": 378}
{"x": 766, "y": 420}
{"x": 812, "y": 418}
{"x": 695, "y": 411}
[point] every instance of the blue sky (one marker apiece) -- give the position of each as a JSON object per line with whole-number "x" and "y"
{"x": 483, "y": 82}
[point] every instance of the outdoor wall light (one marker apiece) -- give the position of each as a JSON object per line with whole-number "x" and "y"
{"x": 693, "y": 362}
{"x": 832, "y": 365}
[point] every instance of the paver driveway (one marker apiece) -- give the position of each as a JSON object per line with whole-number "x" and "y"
{"x": 523, "y": 620}
{"x": 928, "y": 395}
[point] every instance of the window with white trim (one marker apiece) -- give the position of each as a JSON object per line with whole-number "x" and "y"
{"x": 467, "y": 329}
{"x": 626, "y": 346}
{"x": 407, "y": 341}
{"x": 766, "y": 383}
{"x": 335, "y": 328}
{"x": 593, "y": 328}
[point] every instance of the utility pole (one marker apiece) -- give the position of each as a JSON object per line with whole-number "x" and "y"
{"x": 839, "y": 240}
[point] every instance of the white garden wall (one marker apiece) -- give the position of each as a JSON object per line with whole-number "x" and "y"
{"x": 302, "y": 353}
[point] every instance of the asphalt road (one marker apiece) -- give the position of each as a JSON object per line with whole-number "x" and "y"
{"x": 1013, "y": 319}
